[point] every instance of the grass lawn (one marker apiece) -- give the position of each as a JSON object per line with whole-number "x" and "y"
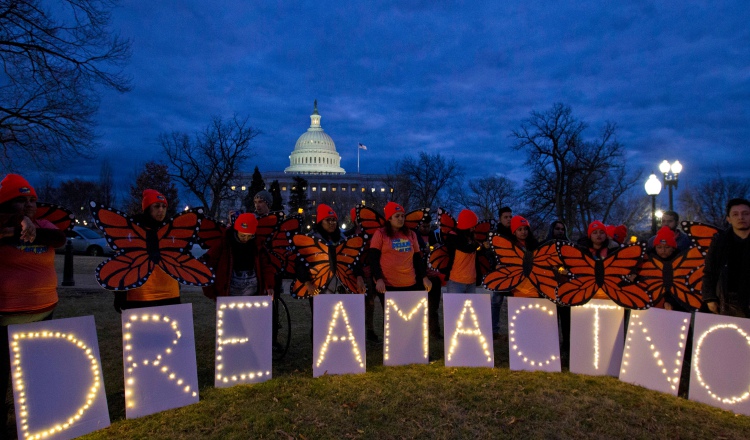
{"x": 423, "y": 401}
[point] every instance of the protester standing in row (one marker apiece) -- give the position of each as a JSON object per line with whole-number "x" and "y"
{"x": 239, "y": 268}
{"x": 28, "y": 281}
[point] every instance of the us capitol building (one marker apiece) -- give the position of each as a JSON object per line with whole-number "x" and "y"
{"x": 316, "y": 160}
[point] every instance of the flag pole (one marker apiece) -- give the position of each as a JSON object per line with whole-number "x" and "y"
{"x": 358, "y": 158}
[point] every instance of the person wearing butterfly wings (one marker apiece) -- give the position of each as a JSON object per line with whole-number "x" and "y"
{"x": 327, "y": 233}
{"x": 28, "y": 281}
{"x": 463, "y": 271}
{"x": 726, "y": 280}
{"x": 160, "y": 289}
{"x": 239, "y": 267}
{"x": 670, "y": 276}
{"x": 395, "y": 256}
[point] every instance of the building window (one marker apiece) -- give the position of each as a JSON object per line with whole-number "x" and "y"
{"x": 372, "y": 189}
{"x": 283, "y": 188}
{"x": 343, "y": 188}
{"x": 333, "y": 188}
{"x": 314, "y": 188}
{"x": 323, "y": 189}
{"x": 363, "y": 189}
{"x": 382, "y": 190}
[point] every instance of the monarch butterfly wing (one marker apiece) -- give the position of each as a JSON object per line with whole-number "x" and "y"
{"x": 651, "y": 274}
{"x": 484, "y": 264}
{"x": 700, "y": 234}
{"x": 280, "y": 252}
{"x": 688, "y": 278}
{"x": 178, "y": 234}
{"x": 186, "y": 269}
{"x": 621, "y": 263}
{"x": 544, "y": 267}
{"x": 266, "y": 225}
{"x": 581, "y": 287}
{"x": 482, "y": 230}
{"x": 504, "y": 278}
{"x": 510, "y": 258}
{"x": 124, "y": 271}
{"x": 348, "y": 255}
{"x": 211, "y": 232}
{"x": 121, "y": 232}
{"x": 59, "y": 216}
{"x": 438, "y": 259}
{"x": 415, "y": 217}
{"x": 447, "y": 222}
{"x": 315, "y": 255}
{"x": 369, "y": 219}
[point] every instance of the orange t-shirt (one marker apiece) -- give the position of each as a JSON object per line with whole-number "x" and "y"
{"x": 28, "y": 281}
{"x": 158, "y": 286}
{"x": 464, "y": 268}
{"x": 396, "y": 257}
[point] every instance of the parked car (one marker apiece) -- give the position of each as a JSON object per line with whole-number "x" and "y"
{"x": 87, "y": 241}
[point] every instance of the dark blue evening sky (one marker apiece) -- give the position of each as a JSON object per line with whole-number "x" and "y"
{"x": 450, "y": 77}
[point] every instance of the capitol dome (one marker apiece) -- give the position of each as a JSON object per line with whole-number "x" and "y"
{"x": 315, "y": 152}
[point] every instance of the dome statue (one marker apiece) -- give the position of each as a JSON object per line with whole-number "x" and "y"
{"x": 315, "y": 152}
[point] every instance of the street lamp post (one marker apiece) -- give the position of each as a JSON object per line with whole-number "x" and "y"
{"x": 653, "y": 188}
{"x": 670, "y": 172}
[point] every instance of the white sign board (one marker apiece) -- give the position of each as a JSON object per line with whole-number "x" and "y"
{"x": 533, "y": 339}
{"x": 159, "y": 359}
{"x": 597, "y": 338}
{"x": 406, "y": 335}
{"x": 720, "y": 367}
{"x": 338, "y": 334}
{"x": 467, "y": 329}
{"x": 57, "y": 378}
{"x": 655, "y": 349}
{"x": 243, "y": 340}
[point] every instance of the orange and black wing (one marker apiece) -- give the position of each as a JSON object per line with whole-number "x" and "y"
{"x": 582, "y": 285}
{"x": 510, "y": 259}
{"x": 544, "y": 269}
{"x": 483, "y": 229}
{"x": 438, "y": 259}
{"x": 447, "y": 222}
{"x": 682, "y": 278}
{"x": 121, "y": 232}
{"x": 175, "y": 240}
{"x": 280, "y": 252}
{"x": 125, "y": 271}
{"x": 369, "y": 219}
{"x": 266, "y": 225}
{"x": 315, "y": 255}
{"x": 414, "y": 218}
{"x": 211, "y": 232}
{"x": 623, "y": 262}
{"x": 701, "y": 234}
{"x": 348, "y": 254}
{"x": 185, "y": 268}
{"x": 61, "y": 217}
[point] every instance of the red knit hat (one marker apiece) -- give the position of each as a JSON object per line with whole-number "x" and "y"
{"x": 325, "y": 211}
{"x": 15, "y": 186}
{"x": 467, "y": 219}
{"x": 516, "y": 222}
{"x": 620, "y": 232}
{"x": 151, "y": 196}
{"x": 392, "y": 208}
{"x": 665, "y": 236}
{"x": 596, "y": 224}
{"x": 246, "y": 223}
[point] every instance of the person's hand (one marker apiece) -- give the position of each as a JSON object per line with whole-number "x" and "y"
{"x": 667, "y": 306}
{"x": 380, "y": 286}
{"x": 361, "y": 287}
{"x": 713, "y": 307}
{"x": 28, "y": 230}
{"x": 427, "y": 283}
{"x": 270, "y": 292}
